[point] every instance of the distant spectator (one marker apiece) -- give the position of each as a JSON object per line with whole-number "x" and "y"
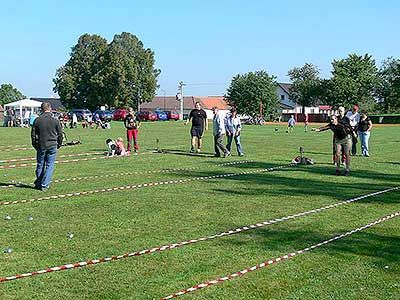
{"x": 233, "y": 128}
{"x": 5, "y": 121}
{"x": 291, "y": 124}
{"x": 306, "y": 118}
{"x": 11, "y": 117}
{"x": 354, "y": 118}
{"x": 27, "y": 115}
{"x": 120, "y": 143}
{"x": 32, "y": 119}
{"x": 74, "y": 120}
{"x": 364, "y": 130}
{"x": 219, "y": 133}
{"x": 198, "y": 116}
{"x": 132, "y": 125}
{"x": 97, "y": 121}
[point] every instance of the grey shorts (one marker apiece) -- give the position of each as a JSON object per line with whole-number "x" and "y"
{"x": 346, "y": 143}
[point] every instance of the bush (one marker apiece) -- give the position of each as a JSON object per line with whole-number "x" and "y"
{"x": 385, "y": 119}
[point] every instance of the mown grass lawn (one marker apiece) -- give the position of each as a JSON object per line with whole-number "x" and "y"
{"x": 365, "y": 265}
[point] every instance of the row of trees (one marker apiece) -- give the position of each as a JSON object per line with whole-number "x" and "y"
{"x": 355, "y": 80}
{"x": 119, "y": 74}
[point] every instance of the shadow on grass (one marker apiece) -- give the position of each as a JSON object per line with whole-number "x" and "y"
{"x": 186, "y": 153}
{"x": 382, "y": 248}
{"x": 17, "y": 185}
{"x": 287, "y": 183}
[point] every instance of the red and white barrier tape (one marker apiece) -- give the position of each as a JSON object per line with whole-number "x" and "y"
{"x": 16, "y": 149}
{"x": 130, "y": 173}
{"x": 58, "y": 156}
{"x": 60, "y": 161}
{"x": 13, "y": 146}
{"x": 184, "y": 243}
{"x": 128, "y": 187}
{"x": 272, "y": 261}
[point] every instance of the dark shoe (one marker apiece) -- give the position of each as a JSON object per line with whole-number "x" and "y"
{"x": 217, "y": 155}
{"x": 346, "y": 173}
{"x": 337, "y": 173}
{"x": 191, "y": 150}
{"x": 227, "y": 154}
{"x": 241, "y": 154}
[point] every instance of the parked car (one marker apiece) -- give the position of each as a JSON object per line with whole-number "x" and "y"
{"x": 147, "y": 116}
{"x": 172, "y": 115}
{"x": 105, "y": 115}
{"x": 120, "y": 114}
{"x": 161, "y": 115}
{"x": 80, "y": 113}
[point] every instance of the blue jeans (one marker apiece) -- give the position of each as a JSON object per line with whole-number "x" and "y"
{"x": 364, "y": 137}
{"x": 237, "y": 142}
{"x": 45, "y": 167}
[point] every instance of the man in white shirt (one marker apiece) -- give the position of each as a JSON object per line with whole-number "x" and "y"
{"x": 219, "y": 133}
{"x": 354, "y": 118}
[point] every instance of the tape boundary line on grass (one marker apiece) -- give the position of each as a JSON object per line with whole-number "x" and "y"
{"x": 188, "y": 242}
{"x": 58, "y": 156}
{"x": 61, "y": 161}
{"x": 275, "y": 260}
{"x": 141, "y": 185}
{"x": 129, "y": 173}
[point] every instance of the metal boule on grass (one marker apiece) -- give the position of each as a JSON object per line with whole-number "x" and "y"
{"x": 70, "y": 235}
{"x": 7, "y": 218}
{"x": 30, "y": 218}
{"x": 9, "y": 250}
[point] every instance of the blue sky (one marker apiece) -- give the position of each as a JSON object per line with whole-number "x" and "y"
{"x": 204, "y": 43}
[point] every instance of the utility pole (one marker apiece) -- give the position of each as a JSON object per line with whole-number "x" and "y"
{"x": 162, "y": 90}
{"x": 180, "y": 87}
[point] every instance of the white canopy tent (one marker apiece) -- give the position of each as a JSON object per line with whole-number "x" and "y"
{"x": 26, "y": 104}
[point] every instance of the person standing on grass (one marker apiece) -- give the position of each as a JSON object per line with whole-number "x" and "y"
{"x": 306, "y": 118}
{"x": 233, "y": 128}
{"x": 219, "y": 133}
{"x": 199, "y": 122}
{"x": 364, "y": 130}
{"x": 46, "y": 138}
{"x": 132, "y": 125}
{"x": 345, "y": 121}
{"x": 342, "y": 141}
{"x": 291, "y": 124}
{"x": 354, "y": 118}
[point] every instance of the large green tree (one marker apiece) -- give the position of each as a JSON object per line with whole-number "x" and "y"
{"x": 248, "y": 91}
{"x": 389, "y": 90}
{"x": 129, "y": 72}
{"x": 119, "y": 74}
{"x": 8, "y": 94}
{"x": 305, "y": 85}
{"x": 78, "y": 82}
{"x": 354, "y": 81}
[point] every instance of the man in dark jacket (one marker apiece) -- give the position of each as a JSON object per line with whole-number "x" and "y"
{"x": 46, "y": 137}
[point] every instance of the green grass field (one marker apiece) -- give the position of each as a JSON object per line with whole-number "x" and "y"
{"x": 364, "y": 265}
